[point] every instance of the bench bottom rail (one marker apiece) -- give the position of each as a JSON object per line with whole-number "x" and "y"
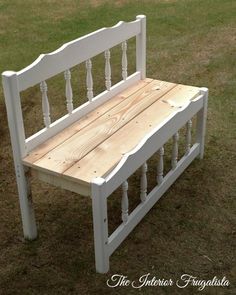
{"x": 105, "y": 245}
{"x": 157, "y": 192}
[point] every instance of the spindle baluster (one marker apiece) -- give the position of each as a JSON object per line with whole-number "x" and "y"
{"x": 125, "y": 202}
{"x": 107, "y": 69}
{"x": 188, "y": 136}
{"x": 143, "y": 182}
{"x": 174, "y": 158}
{"x": 89, "y": 79}
{"x": 160, "y": 165}
{"x": 124, "y": 60}
{"x": 45, "y": 104}
{"x": 69, "y": 93}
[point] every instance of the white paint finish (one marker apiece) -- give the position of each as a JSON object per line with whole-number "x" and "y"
{"x": 14, "y": 112}
{"x": 188, "y": 136}
{"x": 124, "y": 61}
{"x": 143, "y": 182}
{"x": 125, "y": 202}
{"x": 107, "y": 69}
{"x": 76, "y": 52}
{"x": 141, "y": 47}
{"x": 160, "y": 165}
{"x": 100, "y": 224}
{"x": 45, "y": 104}
{"x": 15, "y": 122}
{"x": 131, "y": 161}
{"x": 68, "y": 92}
{"x": 201, "y": 122}
{"x": 89, "y": 80}
{"x": 142, "y": 209}
{"x": 174, "y": 158}
{"x": 78, "y": 113}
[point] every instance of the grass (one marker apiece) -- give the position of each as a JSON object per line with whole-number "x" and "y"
{"x": 192, "y": 228}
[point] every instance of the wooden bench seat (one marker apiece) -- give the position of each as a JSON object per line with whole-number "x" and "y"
{"x": 92, "y": 146}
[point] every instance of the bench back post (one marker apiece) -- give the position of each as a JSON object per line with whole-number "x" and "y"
{"x": 17, "y": 134}
{"x": 141, "y": 47}
{"x": 14, "y": 113}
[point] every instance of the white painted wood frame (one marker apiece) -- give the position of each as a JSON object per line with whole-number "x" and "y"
{"x": 17, "y": 134}
{"x": 141, "y": 47}
{"x": 201, "y": 122}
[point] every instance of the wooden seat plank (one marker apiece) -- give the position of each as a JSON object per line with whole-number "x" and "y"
{"x": 180, "y": 100}
{"x": 77, "y": 146}
{"x": 104, "y": 157}
{"x": 56, "y": 140}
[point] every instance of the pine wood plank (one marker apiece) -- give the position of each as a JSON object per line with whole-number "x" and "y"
{"x": 103, "y": 158}
{"x": 100, "y": 161}
{"x": 56, "y": 140}
{"x": 62, "y": 182}
{"x": 179, "y": 100}
{"x": 77, "y": 146}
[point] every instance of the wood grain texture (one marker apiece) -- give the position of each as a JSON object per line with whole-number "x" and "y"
{"x": 95, "y": 144}
{"x": 77, "y": 146}
{"x": 54, "y": 141}
{"x": 181, "y": 96}
{"x": 101, "y": 160}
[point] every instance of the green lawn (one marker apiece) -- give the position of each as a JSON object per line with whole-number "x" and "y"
{"x": 192, "y": 229}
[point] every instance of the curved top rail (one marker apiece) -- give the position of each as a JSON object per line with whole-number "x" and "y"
{"x": 75, "y": 52}
{"x": 132, "y": 160}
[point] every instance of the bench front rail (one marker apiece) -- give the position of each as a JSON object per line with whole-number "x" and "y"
{"x": 36, "y": 152}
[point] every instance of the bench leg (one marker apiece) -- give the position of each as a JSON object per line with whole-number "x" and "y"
{"x": 26, "y": 206}
{"x": 17, "y": 134}
{"x": 100, "y": 225}
{"x": 201, "y": 123}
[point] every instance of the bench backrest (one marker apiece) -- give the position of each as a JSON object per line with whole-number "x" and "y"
{"x": 61, "y": 60}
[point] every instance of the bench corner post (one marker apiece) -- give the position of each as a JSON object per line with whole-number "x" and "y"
{"x": 141, "y": 47}
{"x": 201, "y": 122}
{"x": 17, "y": 134}
{"x": 100, "y": 224}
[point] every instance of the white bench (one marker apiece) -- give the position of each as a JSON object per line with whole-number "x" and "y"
{"x": 95, "y": 148}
